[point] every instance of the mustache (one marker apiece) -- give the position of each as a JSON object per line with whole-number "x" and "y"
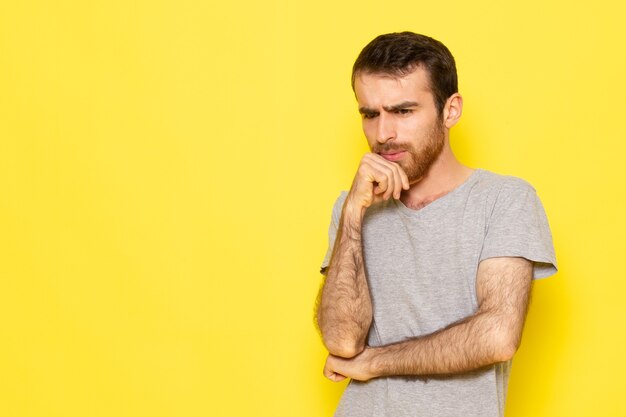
{"x": 389, "y": 148}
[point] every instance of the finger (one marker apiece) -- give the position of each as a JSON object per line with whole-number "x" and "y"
{"x": 406, "y": 184}
{"x": 405, "y": 179}
{"x": 328, "y": 373}
{"x": 338, "y": 377}
{"x": 376, "y": 175}
{"x": 390, "y": 169}
{"x": 332, "y": 375}
{"x": 399, "y": 182}
{"x": 391, "y": 183}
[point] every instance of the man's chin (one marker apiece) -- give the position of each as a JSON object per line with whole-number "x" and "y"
{"x": 416, "y": 175}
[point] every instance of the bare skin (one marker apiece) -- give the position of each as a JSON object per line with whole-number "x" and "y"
{"x": 491, "y": 335}
{"x": 411, "y": 161}
{"x": 345, "y": 310}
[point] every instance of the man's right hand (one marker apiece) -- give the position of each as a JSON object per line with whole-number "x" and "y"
{"x": 376, "y": 180}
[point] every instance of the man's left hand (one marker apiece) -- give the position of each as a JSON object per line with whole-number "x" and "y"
{"x": 359, "y": 367}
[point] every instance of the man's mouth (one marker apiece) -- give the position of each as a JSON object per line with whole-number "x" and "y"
{"x": 393, "y": 155}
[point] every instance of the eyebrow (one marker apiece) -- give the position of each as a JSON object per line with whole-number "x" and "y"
{"x": 395, "y": 107}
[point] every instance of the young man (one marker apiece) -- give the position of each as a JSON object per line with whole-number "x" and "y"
{"x": 430, "y": 262}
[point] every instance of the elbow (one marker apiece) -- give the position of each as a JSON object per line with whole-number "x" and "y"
{"x": 505, "y": 346}
{"x": 506, "y": 352}
{"x": 343, "y": 348}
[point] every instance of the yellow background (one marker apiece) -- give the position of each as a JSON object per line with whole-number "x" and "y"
{"x": 167, "y": 171}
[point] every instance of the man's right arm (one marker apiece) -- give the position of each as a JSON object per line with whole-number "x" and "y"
{"x": 344, "y": 314}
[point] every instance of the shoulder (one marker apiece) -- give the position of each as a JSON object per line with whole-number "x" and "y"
{"x": 497, "y": 192}
{"x": 340, "y": 200}
{"x": 507, "y": 184}
{"x": 338, "y": 206}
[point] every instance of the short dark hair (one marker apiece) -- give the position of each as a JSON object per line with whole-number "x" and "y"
{"x": 398, "y": 54}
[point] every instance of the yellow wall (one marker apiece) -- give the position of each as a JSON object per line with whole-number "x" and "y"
{"x": 167, "y": 170}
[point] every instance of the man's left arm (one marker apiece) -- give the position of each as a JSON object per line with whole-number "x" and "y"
{"x": 491, "y": 335}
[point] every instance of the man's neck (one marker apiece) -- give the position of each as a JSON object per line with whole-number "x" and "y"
{"x": 446, "y": 174}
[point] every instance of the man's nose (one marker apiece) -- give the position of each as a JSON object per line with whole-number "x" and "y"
{"x": 386, "y": 128}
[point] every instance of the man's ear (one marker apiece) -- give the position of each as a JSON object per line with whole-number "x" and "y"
{"x": 452, "y": 110}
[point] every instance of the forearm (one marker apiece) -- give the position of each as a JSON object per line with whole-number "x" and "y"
{"x": 345, "y": 311}
{"x": 491, "y": 335}
{"x": 470, "y": 344}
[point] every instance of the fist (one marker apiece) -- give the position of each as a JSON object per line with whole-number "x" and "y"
{"x": 361, "y": 367}
{"x": 376, "y": 180}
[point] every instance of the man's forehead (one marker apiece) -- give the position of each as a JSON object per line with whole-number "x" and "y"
{"x": 419, "y": 74}
{"x": 375, "y": 87}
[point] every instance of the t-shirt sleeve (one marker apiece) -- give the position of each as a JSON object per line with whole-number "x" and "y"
{"x": 332, "y": 229}
{"x": 518, "y": 227}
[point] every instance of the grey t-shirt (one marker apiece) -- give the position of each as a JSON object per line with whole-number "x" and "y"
{"x": 421, "y": 269}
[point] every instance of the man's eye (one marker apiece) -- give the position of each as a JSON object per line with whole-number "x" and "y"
{"x": 368, "y": 115}
{"x": 404, "y": 111}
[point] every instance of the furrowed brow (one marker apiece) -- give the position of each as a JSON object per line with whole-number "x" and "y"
{"x": 400, "y": 106}
{"x": 367, "y": 111}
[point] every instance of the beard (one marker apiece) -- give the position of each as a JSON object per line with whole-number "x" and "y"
{"x": 418, "y": 160}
